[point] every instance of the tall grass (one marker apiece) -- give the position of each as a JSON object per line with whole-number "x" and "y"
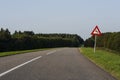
{"x": 106, "y": 60}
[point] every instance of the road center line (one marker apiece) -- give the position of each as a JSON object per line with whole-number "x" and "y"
{"x": 51, "y": 52}
{"x": 8, "y": 71}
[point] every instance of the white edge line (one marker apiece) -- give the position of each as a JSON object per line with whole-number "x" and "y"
{"x": 51, "y": 52}
{"x": 4, "y": 73}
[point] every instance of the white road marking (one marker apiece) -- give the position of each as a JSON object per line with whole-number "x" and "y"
{"x": 8, "y": 71}
{"x": 51, "y": 52}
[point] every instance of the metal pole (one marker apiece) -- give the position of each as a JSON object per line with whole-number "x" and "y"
{"x": 95, "y": 43}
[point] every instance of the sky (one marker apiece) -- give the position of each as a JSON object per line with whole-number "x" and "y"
{"x": 60, "y": 16}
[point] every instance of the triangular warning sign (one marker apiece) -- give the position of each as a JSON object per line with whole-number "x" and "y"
{"x": 96, "y": 31}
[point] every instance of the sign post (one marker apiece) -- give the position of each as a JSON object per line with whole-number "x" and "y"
{"x": 96, "y": 32}
{"x": 95, "y": 43}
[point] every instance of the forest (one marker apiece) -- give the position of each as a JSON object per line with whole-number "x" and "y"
{"x": 109, "y": 40}
{"x": 29, "y": 40}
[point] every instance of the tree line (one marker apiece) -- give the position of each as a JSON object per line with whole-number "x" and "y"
{"x": 29, "y": 40}
{"x": 110, "y": 40}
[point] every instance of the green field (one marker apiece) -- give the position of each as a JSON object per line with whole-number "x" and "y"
{"x": 2, "y": 54}
{"x": 109, "y": 61}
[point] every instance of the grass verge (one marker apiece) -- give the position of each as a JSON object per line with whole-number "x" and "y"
{"x": 2, "y": 54}
{"x": 106, "y": 60}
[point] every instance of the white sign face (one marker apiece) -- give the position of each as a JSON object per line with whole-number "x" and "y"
{"x": 96, "y": 31}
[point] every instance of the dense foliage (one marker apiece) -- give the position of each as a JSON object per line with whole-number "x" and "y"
{"x": 29, "y": 40}
{"x": 107, "y": 40}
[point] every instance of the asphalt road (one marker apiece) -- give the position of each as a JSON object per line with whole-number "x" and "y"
{"x": 57, "y": 64}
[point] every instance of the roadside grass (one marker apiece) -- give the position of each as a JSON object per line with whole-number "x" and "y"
{"x": 109, "y": 61}
{"x": 2, "y": 54}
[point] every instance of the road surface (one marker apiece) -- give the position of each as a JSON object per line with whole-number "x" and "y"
{"x": 55, "y": 64}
